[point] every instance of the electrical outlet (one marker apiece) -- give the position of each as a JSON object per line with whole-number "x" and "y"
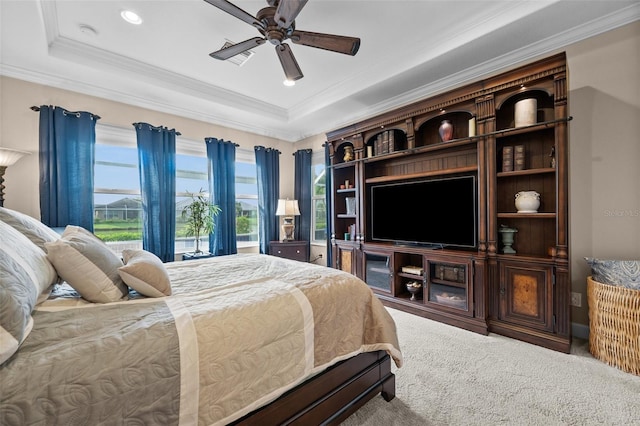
{"x": 576, "y": 299}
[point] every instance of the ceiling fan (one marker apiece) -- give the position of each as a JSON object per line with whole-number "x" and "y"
{"x": 276, "y": 23}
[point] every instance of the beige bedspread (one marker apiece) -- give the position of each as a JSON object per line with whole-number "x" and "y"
{"x": 249, "y": 327}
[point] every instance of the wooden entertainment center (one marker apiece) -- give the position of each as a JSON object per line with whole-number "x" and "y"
{"x": 510, "y": 135}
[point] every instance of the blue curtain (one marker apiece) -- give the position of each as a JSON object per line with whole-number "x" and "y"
{"x": 328, "y": 188}
{"x": 67, "y": 157}
{"x": 222, "y": 187}
{"x": 302, "y": 192}
{"x": 157, "y": 167}
{"x": 268, "y": 173}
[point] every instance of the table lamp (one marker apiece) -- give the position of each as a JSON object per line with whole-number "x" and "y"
{"x": 7, "y": 158}
{"x": 288, "y": 209}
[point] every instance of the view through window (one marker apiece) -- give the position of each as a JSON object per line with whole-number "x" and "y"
{"x": 319, "y": 204}
{"x": 118, "y": 209}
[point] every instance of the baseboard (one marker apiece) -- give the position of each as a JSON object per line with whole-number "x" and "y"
{"x": 581, "y": 331}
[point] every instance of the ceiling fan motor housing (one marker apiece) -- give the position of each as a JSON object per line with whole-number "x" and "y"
{"x": 272, "y": 32}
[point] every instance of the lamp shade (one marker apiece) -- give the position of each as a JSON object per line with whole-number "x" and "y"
{"x": 287, "y": 208}
{"x": 9, "y": 156}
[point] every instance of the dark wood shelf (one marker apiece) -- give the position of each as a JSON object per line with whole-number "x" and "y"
{"x": 346, "y": 216}
{"x": 457, "y": 170}
{"x": 527, "y": 215}
{"x": 526, "y": 172}
{"x": 449, "y": 283}
{"x": 410, "y": 276}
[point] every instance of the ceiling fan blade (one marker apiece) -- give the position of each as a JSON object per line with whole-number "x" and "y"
{"x": 238, "y": 48}
{"x": 289, "y": 63}
{"x": 234, "y": 10}
{"x": 334, "y": 43}
{"x": 287, "y": 11}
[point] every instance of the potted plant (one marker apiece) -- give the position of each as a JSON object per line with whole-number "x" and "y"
{"x": 199, "y": 215}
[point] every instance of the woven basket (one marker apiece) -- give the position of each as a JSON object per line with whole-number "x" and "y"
{"x": 614, "y": 321}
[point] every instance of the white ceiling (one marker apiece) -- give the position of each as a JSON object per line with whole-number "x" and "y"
{"x": 409, "y": 50}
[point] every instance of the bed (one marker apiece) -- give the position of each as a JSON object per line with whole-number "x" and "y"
{"x": 240, "y": 339}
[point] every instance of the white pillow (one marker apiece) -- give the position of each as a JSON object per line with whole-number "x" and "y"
{"x": 145, "y": 273}
{"x": 33, "y": 229}
{"x": 88, "y": 265}
{"x": 25, "y": 273}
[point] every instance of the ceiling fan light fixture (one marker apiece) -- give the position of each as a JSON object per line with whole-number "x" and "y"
{"x": 131, "y": 17}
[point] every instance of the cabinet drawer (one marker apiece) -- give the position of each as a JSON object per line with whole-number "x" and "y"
{"x": 289, "y": 250}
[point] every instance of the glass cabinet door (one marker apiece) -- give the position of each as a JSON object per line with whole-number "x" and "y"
{"x": 377, "y": 271}
{"x": 448, "y": 284}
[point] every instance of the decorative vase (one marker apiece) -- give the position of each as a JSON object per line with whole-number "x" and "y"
{"x": 507, "y": 239}
{"x": 527, "y": 201}
{"x": 446, "y": 131}
{"x": 526, "y": 112}
{"x": 348, "y": 153}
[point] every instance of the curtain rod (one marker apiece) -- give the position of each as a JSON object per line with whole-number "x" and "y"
{"x": 95, "y": 116}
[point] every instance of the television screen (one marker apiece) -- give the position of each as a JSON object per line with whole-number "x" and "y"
{"x": 439, "y": 212}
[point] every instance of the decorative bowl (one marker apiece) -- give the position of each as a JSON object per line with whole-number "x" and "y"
{"x": 414, "y": 287}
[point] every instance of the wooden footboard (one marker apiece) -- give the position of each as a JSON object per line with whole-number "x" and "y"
{"x": 332, "y": 396}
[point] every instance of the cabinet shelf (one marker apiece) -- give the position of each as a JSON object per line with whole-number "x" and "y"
{"x": 448, "y": 283}
{"x": 527, "y": 129}
{"x": 410, "y": 276}
{"x": 344, "y": 165}
{"x": 346, "y": 190}
{"x": 526, "y": 172}
{"x": 346, "y": 216}
{"x": 380, "y": 179}
{"x": 527, "y": 215}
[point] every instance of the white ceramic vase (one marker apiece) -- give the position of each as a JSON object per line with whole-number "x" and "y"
{"x": 527, "y": 201}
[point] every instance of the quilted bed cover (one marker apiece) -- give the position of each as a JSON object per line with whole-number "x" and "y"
{"x": 237, "y": 332}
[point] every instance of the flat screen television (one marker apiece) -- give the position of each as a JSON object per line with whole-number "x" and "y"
{"x": 433, "y": 212}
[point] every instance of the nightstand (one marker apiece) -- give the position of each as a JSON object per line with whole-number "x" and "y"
{"x": 295, "y": 250}
{"x": 193, "y": 256}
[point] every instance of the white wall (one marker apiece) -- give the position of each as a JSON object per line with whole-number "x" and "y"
{"x": 604, "y": 151}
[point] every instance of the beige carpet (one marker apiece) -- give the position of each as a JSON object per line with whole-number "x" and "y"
{"x": 455, "y": 377}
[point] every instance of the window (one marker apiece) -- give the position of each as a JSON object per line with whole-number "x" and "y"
{"x": 318, "y": 202}
{"x": 191, "y": 178}
{"x": 118, "y": 207}
{"x": 246, "y": 199}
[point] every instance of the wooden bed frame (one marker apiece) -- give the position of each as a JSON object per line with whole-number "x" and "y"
{"x": 332, "y": 396}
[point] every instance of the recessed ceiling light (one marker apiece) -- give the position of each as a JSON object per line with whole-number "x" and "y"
{"x": 131, "y": 17}
{"x": 289, "y": 82}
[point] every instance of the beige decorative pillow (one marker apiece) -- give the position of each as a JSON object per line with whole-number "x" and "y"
{"x": 33, "y": 229}
{"x": 145, "y": 273}
{"x": 88, "y": 265}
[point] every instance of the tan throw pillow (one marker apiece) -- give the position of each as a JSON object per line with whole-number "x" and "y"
{"x": 145, "y": 273}
{"x": 88, "y": 265}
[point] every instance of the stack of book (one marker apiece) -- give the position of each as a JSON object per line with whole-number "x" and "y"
{"x": 385, "y": 143}
{"x": 513, "y": 158}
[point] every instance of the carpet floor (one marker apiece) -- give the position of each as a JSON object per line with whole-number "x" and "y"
{"x": 452, "y": 376}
